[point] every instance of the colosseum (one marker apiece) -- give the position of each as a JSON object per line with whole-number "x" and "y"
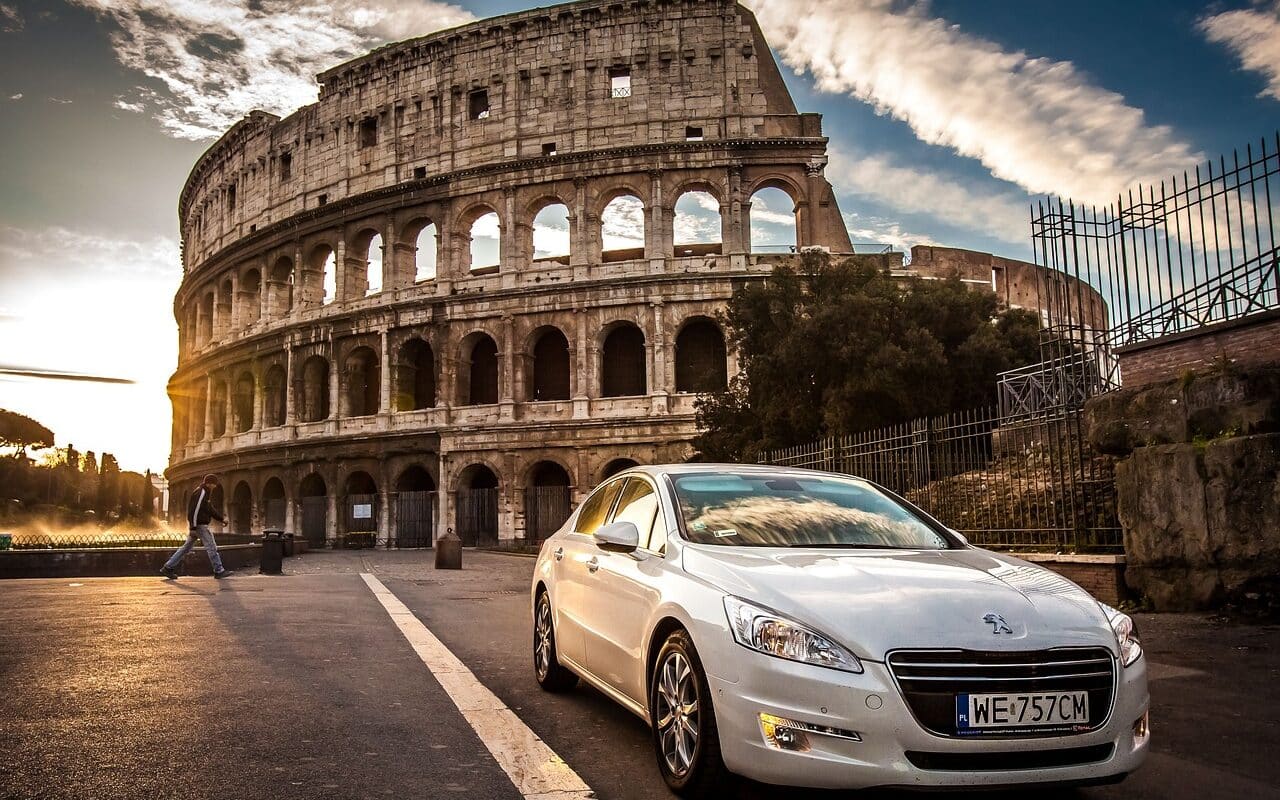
{"x": 454, "y": 294}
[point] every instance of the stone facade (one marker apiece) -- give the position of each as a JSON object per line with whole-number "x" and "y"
{"x": 471, "y": 390}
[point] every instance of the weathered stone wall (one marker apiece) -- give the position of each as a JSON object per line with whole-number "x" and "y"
{"x": 1246, "y": 341}
{"x": 1198, "y": 492}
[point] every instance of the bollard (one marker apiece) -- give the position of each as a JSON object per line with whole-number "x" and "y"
{"x": 272, "y": 554}
{"x": 449, "y": 551}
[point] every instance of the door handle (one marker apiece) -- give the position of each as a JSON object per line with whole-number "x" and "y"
{"x": 593, "y": 564}
{"x": 559, "y": 553}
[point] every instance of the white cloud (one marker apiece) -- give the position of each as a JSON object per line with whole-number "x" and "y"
{"x": 1036, "y": 122}
{"x": 62, "y": 101}
{"x": 696, "y": 219}
{"x": 218, "y": 61}
{"x": 865, "y": 229}
{"x": 1253, "y": 35}
{"x": 126, "y": 105}
{"x": 1002, "y": 215}
{"x": 622, "y": 224}
{"x": 10, "y": 20}
{"x": 17, "y": 96}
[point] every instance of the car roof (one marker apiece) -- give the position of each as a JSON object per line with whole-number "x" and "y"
{"x": 741, "y": 469}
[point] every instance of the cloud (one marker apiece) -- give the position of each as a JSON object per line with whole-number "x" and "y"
{"x": 1253, "y": 36}
{"x": 218, "y": 61}
{"x": 622, "y": 224}
{"x": 62, "y": 101}
{"x": 126, "y": 105}
{"x": 865, "y": 229}
{"x": 10, "y": 20}
{"x": 17, "y": 96}
{"x": 1032, "y": 121}
{"x": 1002, "y": 215}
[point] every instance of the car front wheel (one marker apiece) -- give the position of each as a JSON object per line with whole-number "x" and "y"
{"x": 546, "y": 667}
{"x": 685, "y": 738}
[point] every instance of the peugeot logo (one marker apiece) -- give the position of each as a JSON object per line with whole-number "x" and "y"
{"x": 997, "y": 623}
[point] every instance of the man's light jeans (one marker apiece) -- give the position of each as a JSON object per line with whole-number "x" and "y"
{"x": 210, "y": 546}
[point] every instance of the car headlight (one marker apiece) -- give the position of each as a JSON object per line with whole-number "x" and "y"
{"x": 1126, "y": 634}
{"x": 773, "y": 634}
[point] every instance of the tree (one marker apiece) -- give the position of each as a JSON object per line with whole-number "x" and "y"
{"x": 832, "y": 348}
{"x": 147, "y": 496}
{"x": 108, "y": 485}
{"x": 22, "y": 432}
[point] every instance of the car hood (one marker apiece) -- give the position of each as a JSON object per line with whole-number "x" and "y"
{"x": 876, "y": 601}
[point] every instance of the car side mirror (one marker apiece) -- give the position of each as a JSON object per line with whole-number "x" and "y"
{"x": 620, "y": 537}
{"x": 963, "y": 539}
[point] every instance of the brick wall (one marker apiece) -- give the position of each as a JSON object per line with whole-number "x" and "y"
{"x": 1100, "y": 575}
{"x": 1249, "y": 341}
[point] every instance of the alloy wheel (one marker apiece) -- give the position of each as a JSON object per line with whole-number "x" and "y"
{"x": 677, "y": 717}
{"x": 542, "y": 638}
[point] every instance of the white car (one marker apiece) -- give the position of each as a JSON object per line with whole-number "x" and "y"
{"x": 811, "y": 629}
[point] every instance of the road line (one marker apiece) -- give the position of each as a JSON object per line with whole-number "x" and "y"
{"x": 537, "y": 772}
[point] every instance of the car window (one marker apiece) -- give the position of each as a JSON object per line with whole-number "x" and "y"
{"x": 596, "y": 508}
{"x": 638, "y": 505}
{"x": 658, "y": 539}
{"x": 752, "y": 509}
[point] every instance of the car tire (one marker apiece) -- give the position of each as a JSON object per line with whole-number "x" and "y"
{"x": 691, "y": 766}
{"x": 546, "y": 666}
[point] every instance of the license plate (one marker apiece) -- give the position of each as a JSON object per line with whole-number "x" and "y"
{"x": 1039, "y": 710}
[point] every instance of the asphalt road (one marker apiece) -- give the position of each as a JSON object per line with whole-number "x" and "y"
{"x": 303, "y": 686}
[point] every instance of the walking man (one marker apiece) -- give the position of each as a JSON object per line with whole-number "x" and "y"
{"x": 199, "y": 511}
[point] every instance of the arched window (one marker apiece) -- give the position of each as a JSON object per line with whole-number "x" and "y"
{"x": 273, "y": 397}
{"x": 427, "y": 244}
{"x": 773, "y": 221}
{"x": 477, "y": 505}
{"x": 280, "y": 287}
{"x": 320, "y": 276}
{"x": 478, "y": 379}
{"x": 206, "y": 318}
{"x": 315, "y": 389}
{"x": 219, "y": 407}
{"x": 415, "y": 479}
{"x": 198, "y": 409}
{"x": 242, "y": 403}
{"x": 546, "y": 500}
{"x": 241, "y": 511}
{"x": 373, "y": 266}
{"x": 622, "y": 367}
{"x": 617, "y": 465}
{"x": 315, "y": 510}
{"x": 251, "y": 297}
{"x": 551, "y": 234}
{"x": 329, "y": 279}
{"x": 361, "y": 373}
{"x": 415, "y": 376}
{"x": 622, "y": 229}
{"x": 550, "y": 374}
{"x": 361, "y": 504}
{"x": 226, "y": 301}
{"x": 696, "y": 224}
{"x": 273, "y": 502}
{"x": 486, "y": 250}
{"x": 700, "y": 358}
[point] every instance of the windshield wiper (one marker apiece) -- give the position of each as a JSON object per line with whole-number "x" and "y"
{"x": 855, "y": 546}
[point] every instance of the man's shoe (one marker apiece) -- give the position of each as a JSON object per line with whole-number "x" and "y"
{"x": 225, "y": 573}
{"x": 169, "y": 574}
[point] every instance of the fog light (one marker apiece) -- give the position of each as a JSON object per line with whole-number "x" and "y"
{"x": 1141, "y": 729}
{"x": 788, "y": 734}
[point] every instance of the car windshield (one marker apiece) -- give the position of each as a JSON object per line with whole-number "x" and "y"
{"x": 787, "y": 510}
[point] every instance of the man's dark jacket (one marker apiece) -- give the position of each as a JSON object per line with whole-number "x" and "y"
{"x": 200, "y": 510}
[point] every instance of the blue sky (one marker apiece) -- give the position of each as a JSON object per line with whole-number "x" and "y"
{"x": 946, "y": 119}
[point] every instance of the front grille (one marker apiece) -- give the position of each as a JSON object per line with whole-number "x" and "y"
{"x": 998, "y": 762}
{"x": 931, "y": 679}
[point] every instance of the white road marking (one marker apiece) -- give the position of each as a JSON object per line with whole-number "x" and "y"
{"x": 537, "y": 772}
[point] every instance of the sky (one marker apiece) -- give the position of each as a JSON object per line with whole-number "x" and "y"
{"x": 946, "y": 119}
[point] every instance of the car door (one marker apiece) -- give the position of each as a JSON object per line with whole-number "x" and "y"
{"x": 622, "y": 592}
{"x": 570, "y": 554}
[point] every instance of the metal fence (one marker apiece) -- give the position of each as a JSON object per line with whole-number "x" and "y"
{"x": 477, "y": 516}
{"x": 415, "y": 519}
{"x": 1022, "y": 483}
{"x": 545, "y": 510}
{"x": 315, "y": 520}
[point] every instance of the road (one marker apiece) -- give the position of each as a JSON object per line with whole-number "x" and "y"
{"x": 305, "y": 686}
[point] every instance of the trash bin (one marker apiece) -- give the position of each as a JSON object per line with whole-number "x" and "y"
{"x": 449, "y": 551}
{"x": 272, "y": 553}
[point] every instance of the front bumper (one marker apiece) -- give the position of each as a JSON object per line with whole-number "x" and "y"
{"x": 871, "y": 704}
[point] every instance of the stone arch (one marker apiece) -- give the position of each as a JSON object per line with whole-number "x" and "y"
{"x": 550, "y": 372}
{"x": 476, "y": 504}
{"x": 616, "y": 465}
{"x": 697, "y": 221}
{"x": 477, "y": 376}
{"x": 199, "y": 407}
{"x": 242, "y": 402}
{"x": 415, "y": 507}
{"x": 622, "y": 226}
{"x": 623, "y": 360}
{"x": 361, "y": 373}
{"x": 424, "y": 234}
{"x": 240, "y": 509}
{"x": 314, "y": 402}
{"x": 218, "y": 403}
{"x": 483, "y": 223}
{"x": 274, "y": 504}
{"x": 226, "y": 306}
{"x": 273, "y": 397}
{"x": 360, "y": 504}
{"x": 415, "y": 376}
{"x": 550, "y": 231}
{"x": 251, "y": 297}
{"x": 280, "y": 287}
{"x": 320, "y": 276}
{"x": 313, "y": 499}
{"x": 366, "y": 252}
{"x": 205, "y": 315}
{"x": 415, "y": 478}
{"x": 701, "y": 357}
{"x": 547, "y": 498}
{"x": 771, "y": 219}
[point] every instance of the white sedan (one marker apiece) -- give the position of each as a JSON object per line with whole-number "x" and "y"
{"x": 811, "y": 629}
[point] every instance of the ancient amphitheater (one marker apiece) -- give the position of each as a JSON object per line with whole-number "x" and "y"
{"x": 373, "y": 342}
